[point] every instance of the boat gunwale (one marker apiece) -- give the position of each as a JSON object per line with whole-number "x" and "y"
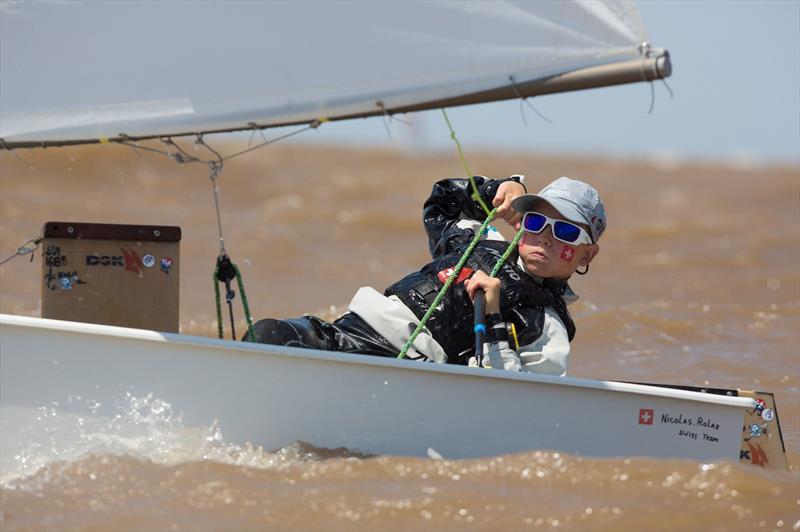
{"x": 348, "y": 358}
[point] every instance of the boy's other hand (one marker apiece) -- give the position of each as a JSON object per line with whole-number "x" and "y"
{"x": 507, "y": 192}
{"x": 490, "y": 286}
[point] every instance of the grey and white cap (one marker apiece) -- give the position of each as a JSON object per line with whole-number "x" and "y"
{"x": 575, "y": 200}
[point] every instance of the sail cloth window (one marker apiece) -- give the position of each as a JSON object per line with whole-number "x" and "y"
{"x": 75, "y": 72}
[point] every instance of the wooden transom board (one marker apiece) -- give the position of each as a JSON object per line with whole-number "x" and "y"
{"x": 762, "y": 439}
{"x": 112, "y": 274}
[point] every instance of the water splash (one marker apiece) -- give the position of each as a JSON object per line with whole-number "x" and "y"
{"x": 143, "y": 427}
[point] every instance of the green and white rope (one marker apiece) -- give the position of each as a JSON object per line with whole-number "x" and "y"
{"x": 450, "y": 279}
{"x": 457, "y": 270}
{"x": 245, "y": 304}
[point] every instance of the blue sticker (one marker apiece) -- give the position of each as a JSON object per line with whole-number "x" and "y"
{"x": 755, "y": 430}
{"x": 66, "y": 283}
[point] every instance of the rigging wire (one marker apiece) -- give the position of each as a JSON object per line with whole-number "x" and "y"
{"x": 181, "y": 156}
{"x": 225, "y": 270}
{"x": 313, "y": 125}
{"x": 391, "y": 118}
{"x": 255, "y": 127}
{"x": 26, "y": 248}
{"x": 645, "y": 50}
{"x": 213, "y": 172}
{"x": 383, "y": 119}
{"x": 669, "y": 89}
{"x": 135, "y": 146}
{"x": 188, "y": 158}
{"x": 653, "y": 94}
{"x": 524, "y": 100}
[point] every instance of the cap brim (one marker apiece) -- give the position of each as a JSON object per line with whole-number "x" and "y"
{"x": 529, "y": 203}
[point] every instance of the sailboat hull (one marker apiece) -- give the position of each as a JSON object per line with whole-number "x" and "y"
{"x": 272, "y": 396}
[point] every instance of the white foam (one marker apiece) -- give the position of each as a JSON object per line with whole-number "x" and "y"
{"x": 145, "y": 427}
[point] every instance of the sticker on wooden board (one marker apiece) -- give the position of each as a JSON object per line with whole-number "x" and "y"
{"x": 166, "y": 264}
{"x": 110, "y": 274}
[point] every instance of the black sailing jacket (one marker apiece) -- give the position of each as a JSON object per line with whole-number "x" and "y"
{"x": 523, "y": 298}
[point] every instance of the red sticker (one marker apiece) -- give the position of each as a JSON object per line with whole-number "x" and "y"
{"x": 567, "y": 253}
{"x": 645, "y": 416}
{"x": 133, "y": 263}
{"x": 462, "y": 276}
{"x": 757, "y": 454}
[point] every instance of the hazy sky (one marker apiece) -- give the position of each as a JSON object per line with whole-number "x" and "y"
{"x": 736, "y": 80}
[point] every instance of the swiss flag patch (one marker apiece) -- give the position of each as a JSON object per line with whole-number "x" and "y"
{"x": 645, "y": 416}
{"x": 462, "y": 276}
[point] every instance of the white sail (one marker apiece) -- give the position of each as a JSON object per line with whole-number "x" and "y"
{"x": 83, "y": 71}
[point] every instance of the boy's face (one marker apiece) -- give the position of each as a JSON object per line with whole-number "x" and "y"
{"x": 545, "y": 256}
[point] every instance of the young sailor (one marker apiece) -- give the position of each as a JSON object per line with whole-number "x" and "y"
{"x": 528, "y": 298}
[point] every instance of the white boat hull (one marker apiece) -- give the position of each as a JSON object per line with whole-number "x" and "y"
{"x": 272, "y": 396}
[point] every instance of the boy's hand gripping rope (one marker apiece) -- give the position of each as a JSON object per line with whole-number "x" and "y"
{"x": 454, "y": 274}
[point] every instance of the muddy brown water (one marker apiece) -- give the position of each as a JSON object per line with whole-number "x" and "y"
{"x": 696, "y": 283}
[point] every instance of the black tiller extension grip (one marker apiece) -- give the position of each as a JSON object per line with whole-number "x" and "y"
{"x": 480, "y": 324}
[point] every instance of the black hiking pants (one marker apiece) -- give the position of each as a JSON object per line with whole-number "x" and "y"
{"x": 348, "y": 334}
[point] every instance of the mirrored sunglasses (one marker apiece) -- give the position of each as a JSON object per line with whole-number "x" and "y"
{"x": 568, "y": 232}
